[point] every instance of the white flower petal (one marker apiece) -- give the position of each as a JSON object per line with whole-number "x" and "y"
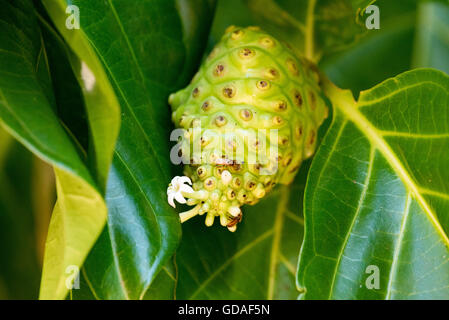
{"x": 180, "y": 198}
{"x": 184, "y": 179}
{"x": 187, "y": 189}
{"x": 171, "y": 196}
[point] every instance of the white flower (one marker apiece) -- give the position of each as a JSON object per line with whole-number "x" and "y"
{"x": 176, "y": 188}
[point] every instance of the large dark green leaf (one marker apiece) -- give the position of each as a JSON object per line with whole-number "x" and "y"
{"x": 379, "y": 55}
{"x": 149, "y": 49}
{"x": 258, "y": 261}
{"x": 28, "y": 112}
{"x": 378, "y": 193}
{"x": 313, "y": 28}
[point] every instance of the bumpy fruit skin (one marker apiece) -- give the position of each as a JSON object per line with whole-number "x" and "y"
{"x": 250, "y": 81}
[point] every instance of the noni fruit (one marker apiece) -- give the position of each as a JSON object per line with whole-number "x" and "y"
{"x": 250, "y": 117}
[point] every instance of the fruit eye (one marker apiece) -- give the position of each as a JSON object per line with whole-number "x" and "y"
{"x": 263, "y": 85}
{"x": 237, "y": 34}
{"x": 281, "y": 105}
{"x": 219, "y": 70}
{"x": 206, "y": 106}
{"x": 312, "y": 100}
{"x": 297, "y": 98}
{"x": 209, "y": 184}
{"x": 195, "y": 92}
{"x": 228, "y": 92}
{"x": 298, "y": 131}
{"x": 246, "y": 114}
{"x": 231, "y": 194}
{"x": 220, "y": 121}
{"x": 292, "y": 67}
{"x": 247, "y": 53}
{"x": 266, "y": 42}
{"x": 278, "y": 120}
{"x": 250, "y": 185}
{"x": 202, "y": 172}
{"x": 272, "y": 73}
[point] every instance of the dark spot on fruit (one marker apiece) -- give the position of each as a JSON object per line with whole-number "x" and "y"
{"x": 246, "y": 114}
{"x": 312, "y": 99}
{"x": 209, "y": 182}
{"x": 267, "y": 42}
{"x": 277, "y": 120}
{"x": 298, "y": 98}
{"x": 312, "y": 137}
{"x": 219, "y": 70}
{"x": 206, "y": 106}
{"x": 246, "y": 53}
{"x": 281, "y": 105}
{"x": 195, "y": 92}
{"x": 220, "y": 121}
{"x": 272, "y": 73}
{"x": 292, "y": 67}
{"x": 237, "y": 34}
{"x": 299, "y": 131}
{"x": 262, "y": 84}
{"x": 228, "y": 92}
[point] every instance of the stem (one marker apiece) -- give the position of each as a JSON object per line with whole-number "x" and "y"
{"x": 309, "y": 36}
{"x": 184, "y": 216}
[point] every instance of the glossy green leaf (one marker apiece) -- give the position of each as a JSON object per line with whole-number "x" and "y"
{"x": 149, "y": 50}
{"x": 70, "y": 106}
{"x": 103, "y": 118}
{"x": 377, "y": 194}
{"x": 313, "y": 28}
{"x": 27, "y": 108}
{"x": 28, "y": 111}
{"x": 380, "y": 54}
{"x": 102, "y": 107}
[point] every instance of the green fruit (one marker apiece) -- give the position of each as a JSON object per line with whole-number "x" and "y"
{"x": 256, "y": 109}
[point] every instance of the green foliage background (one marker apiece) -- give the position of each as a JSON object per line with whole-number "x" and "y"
{"x": 110, "y": 153}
